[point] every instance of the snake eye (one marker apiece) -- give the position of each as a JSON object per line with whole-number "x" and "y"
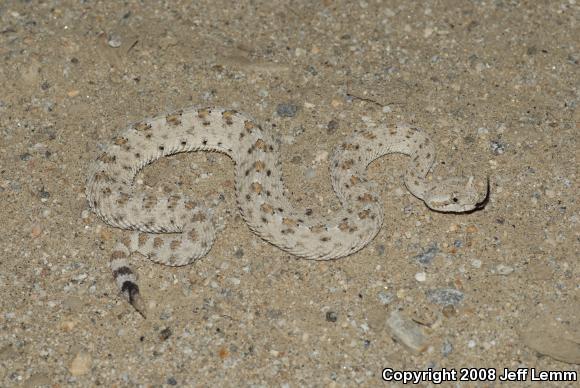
{"x": 454, "y": 199}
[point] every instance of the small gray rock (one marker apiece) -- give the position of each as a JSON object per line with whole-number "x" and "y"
{"x": 445, "y": 296}
{"x": 286, "y": 110}
{"x": 447, "y": 348}
{"x": 385, "y": 297}
{"x": 239, "y": 253}
{"x": 331, "y": 127}
{"x": 428, "y": 255}
{"x": 331, "y": 316}
{"x": 497, "y": 148}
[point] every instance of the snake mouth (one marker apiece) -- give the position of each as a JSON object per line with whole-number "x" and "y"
{"x": 483, "y": 203}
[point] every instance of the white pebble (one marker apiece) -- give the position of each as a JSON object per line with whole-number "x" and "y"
{"x": 299, "y": 52}
{"x": 420, "y": 276}
{"x": 114, "y": 41}
{"x": 504, "y": 269}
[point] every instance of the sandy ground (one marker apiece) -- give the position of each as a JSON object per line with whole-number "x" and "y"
{"x": 496, "y": 84}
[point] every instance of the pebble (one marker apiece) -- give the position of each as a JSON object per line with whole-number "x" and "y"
{"x": 336, "y": 103}
{"x": 165, "y": 334}
{"x": 504, "y": 269}
{"x": 475, "y": 263}
{"x": 420, "y": 276}
{"x": 448, "y": 311}
{"x": 380, "y": 249}
{"x": 428, "y": 255}
{"x": 471, "y": 229}
{"x": 407, "y": 332}
{"x": 239, "y": 253}
{"x": 298, "y": 131}
{"x": 445, "y": 296}
{"x": 208, "y": 95}
{"x": 43, "y": 194}
{"x": 497, "y": 148}
{"x": 171, "y": 381}
{"x": 331, "y": 127}
{"x": 447, "y": 348}
{"x": 331, "y": 316}
{"x": 299, "y": 52}
{"x": 471, "y": 344}
{"x": 286, "y": 110}
{"x": 68, "y": 325}
{"x": 36, "y": 231}
{"x": 81, "y": 364}
{"x": 104, "y": 233}
{"x": 114, "y": 41}
{"x": 385, "y": 297}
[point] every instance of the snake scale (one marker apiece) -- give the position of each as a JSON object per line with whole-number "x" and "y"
{"x": 175, "y": 230}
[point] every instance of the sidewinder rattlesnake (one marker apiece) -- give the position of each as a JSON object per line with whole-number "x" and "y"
{"x": 175, "y": 230}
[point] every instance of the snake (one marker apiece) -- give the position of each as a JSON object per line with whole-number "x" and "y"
{"x": 175, "y": 230}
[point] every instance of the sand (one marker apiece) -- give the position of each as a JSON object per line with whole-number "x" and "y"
{"x": 495, "y": 83}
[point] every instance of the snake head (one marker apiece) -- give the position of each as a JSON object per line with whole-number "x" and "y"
{"x": 458, "y": 195}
